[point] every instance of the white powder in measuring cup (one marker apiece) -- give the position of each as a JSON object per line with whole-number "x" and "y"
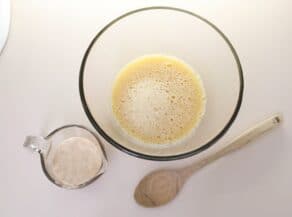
{"x": 75, "y": 161}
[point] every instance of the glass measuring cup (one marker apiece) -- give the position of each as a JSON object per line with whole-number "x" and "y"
{"x": 47, "y": 148}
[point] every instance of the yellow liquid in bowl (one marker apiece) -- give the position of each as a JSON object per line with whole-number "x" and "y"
{"x": 158, "y": 99}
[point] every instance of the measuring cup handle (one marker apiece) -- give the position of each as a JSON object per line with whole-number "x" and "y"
{"x": 36, "y": 143}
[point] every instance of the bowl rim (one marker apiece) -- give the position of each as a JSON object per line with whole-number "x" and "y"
{"x": 161, "y": 157}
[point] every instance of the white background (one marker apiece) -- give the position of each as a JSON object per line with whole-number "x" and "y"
{"x": 39, "y": 91}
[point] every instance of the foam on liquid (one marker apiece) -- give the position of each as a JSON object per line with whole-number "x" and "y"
{"x": 75, "y": 161}
{"x": 158, "y": 99}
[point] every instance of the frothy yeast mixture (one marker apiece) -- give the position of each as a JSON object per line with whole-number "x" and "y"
{"x": 75, "y": 161}
{"x": 158, "y": 99}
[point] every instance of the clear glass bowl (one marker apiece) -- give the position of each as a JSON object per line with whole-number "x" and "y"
{"x": 173, "y": 32}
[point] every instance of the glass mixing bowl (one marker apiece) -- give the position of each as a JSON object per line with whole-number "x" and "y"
{"x": 173, "y": 32}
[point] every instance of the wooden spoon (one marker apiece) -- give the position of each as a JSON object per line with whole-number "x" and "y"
{"x": 162, "y": 186}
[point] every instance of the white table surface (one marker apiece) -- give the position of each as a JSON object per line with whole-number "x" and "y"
{"x": 39, "y": 91}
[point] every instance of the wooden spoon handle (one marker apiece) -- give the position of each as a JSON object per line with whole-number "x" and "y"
{"x": 235, "y": 144}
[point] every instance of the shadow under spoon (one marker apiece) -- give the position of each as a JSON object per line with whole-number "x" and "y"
{"x": 161, "y": 186}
